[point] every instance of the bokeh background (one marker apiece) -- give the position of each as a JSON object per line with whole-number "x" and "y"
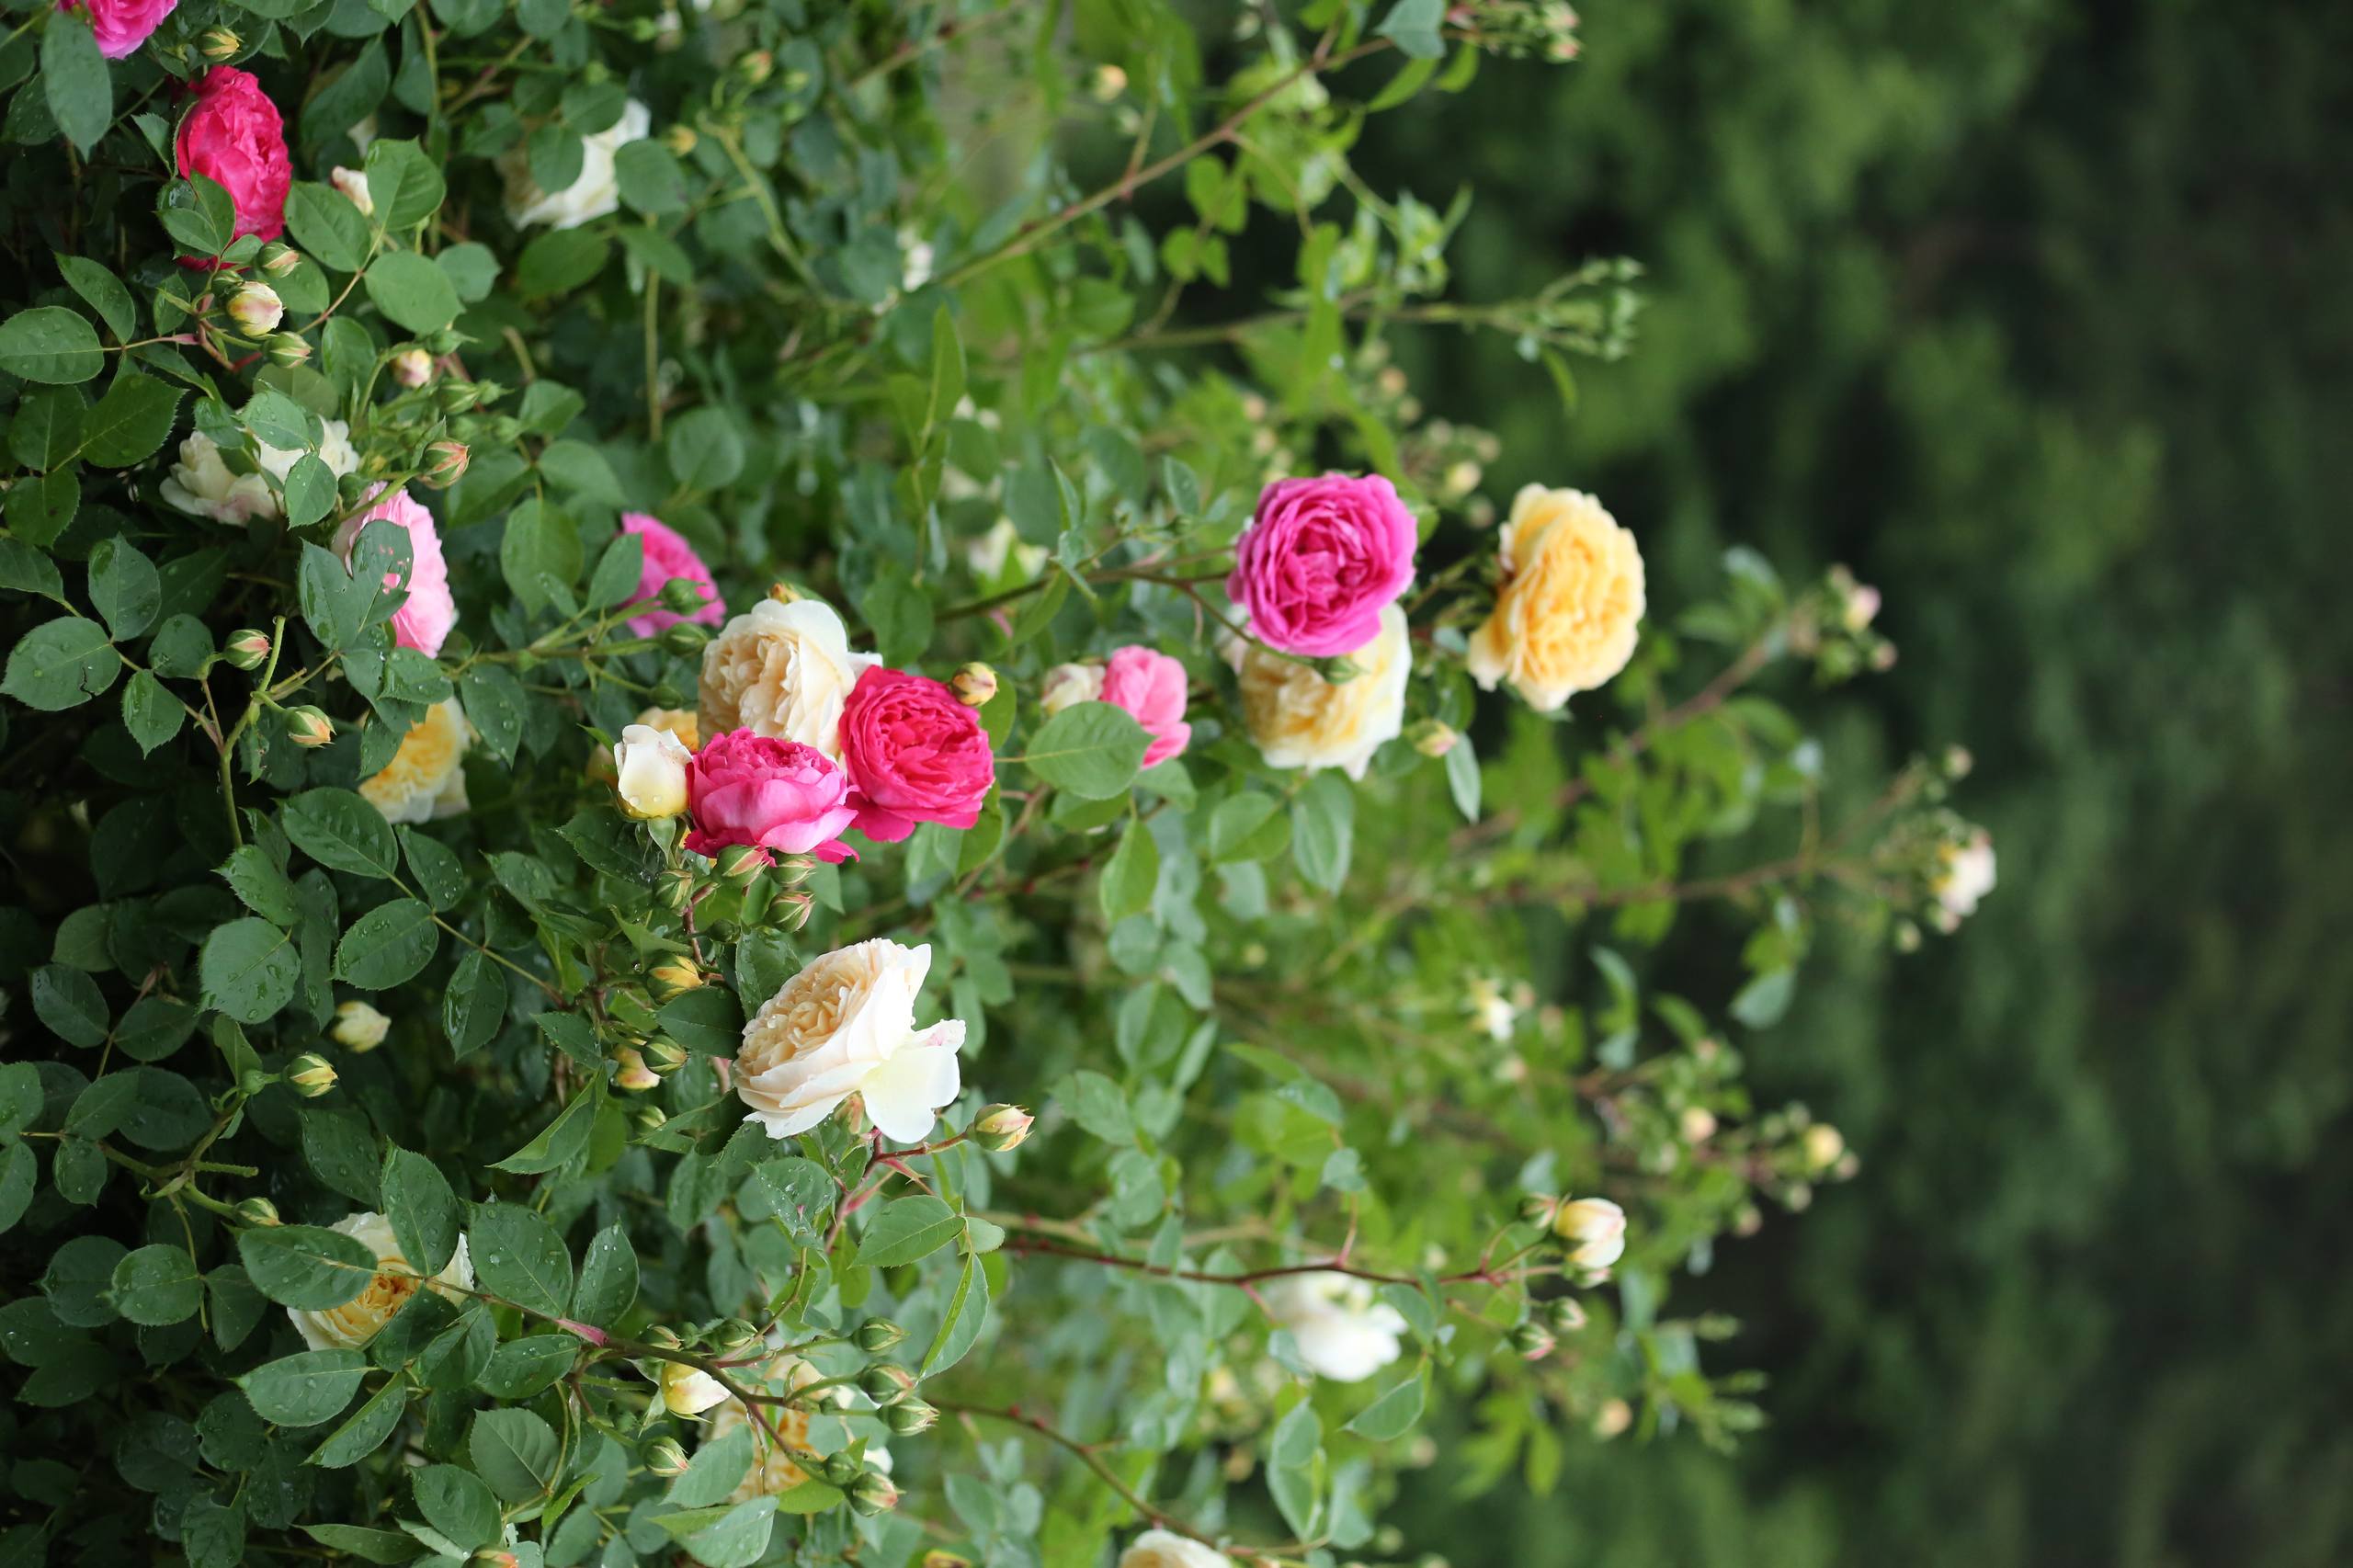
{"x": 2039, "y": 315}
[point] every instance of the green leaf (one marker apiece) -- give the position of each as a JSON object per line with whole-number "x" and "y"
{"x": 155, "y": 1028}
{"x": 907, "y": 1228}
{"x": 423, "y": 1210}
{"x": 310, "y": 490}
{"x": 199, "y": 213}
{"x": 1099, "y": 1105}
{"x": 152, "y": 714}
{"x": 104, "y": 294}
{"x": 580, "y": 469}
{"x": 342, "y": 832}
{"x": 130, "y": 422}
{"x": 70, "y": 1003}
{"x": 458, "y": 1504}
{"x": 125, "y": 587}
{"x": 249, "y": 968}
{"x": 560, "y": 260}
{"x": 47, "y": 433}
{"x": 371, "y": 1545}
{"x": 20, "y": 1172}
{"x": 717, "y": 1469}
{"x": 157, "y": 1285}
{"x": 522, "y": 1367}
{"x": 560, "y": 1140}
{"x": 388, "y": 945}
{"x": 650, "y": 178}
{"x": 305, "y": 1267}
{"x": 519, "y": 1255}
{"x": 1130, "y": 875}
{"x": 325, "y": 223}
{"x": 182, "y": 648}
{"x": 738, "y": 1539}
{"x": 706, "y": 1020}
{"x": 60, "y": 663}
{"x": 75, "y": 76}
{"x": 1323, "y": 822}
{"x": 704, "y": 450}
{"x": 1294, "y": 1465}
{"x": 413, "y": 291}
{"x": 1413, "y": 26}
{"x": 1394, "y": 1413}
{"x": 306, "y": 1389}
{"x": 539, "y": 552}
{"x": 1763, "y": 1001}
{"x": 1247, "y": 827}
{"x": 402, "y": 183}
{"x": 475, "y": 1003}
{"x": 365, "y": 1429}
{"x": 517, "y": 1454}
{"x": 260, "y": 885}
{"x": 1090, "y": 749}
{"x": 959, "y": 1327}
{"x": 51, "y": 344}
{"x": 608, "y": 1279}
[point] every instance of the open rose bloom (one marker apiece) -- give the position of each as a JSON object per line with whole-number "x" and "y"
{"x": 668, "y": 556}
{"x": 1343, "y": 1333}
{"x": 1320, "y": 561}
{"x": 845, "y": 1025}
{"x": 233, "y": 136}
{"x": 777, "y": 796}
{"x": 915, "y": 755}
{"x": 121, "y": 26}
{"x": 782, "y": 670}
{"x": 430, "y": 614}
{"x": 1150, "y": 687}
{"x": 359, "y": 1320}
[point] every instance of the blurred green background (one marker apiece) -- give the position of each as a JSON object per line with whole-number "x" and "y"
{"x": 2039, "y": 315}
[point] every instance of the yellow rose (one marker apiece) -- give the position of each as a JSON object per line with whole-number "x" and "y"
{"x": 1571, "y": 603}
{"x": 782, "y": 670}
{"x": 425, "y": 778}
{"x": 683, "y": 723}
{"x": 1301, "y": 719}
{"x": 356, "y": 1322}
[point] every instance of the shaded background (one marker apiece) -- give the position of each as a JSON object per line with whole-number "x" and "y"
{"x": 2041, "y": 316}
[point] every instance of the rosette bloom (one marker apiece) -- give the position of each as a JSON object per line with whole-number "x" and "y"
{"x": 1341, "y": 1333}
{"x": 202, "y": 482}
{"x": 427, "y": 778}
{"x": 1151, "y": 686}
{"x": 1320, "y": 561}
{"x": 1571, "y": 603}
{"x": 845, "y": 1025}
{"x": 593, "y": 193}
{"x": 915, "y": 755}
{"x": 1301, "y": 719}
{"x": 668, "y": 555}
{"x": 121, "y": 26}
{"x": 358, "y": 1321}
{"x": 779, "y": 796}
{"x": 425, "y": 620}
{"x": 782, "y": 670}
{"x": 233, "y": 136}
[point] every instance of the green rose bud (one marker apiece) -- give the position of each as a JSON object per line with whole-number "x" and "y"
{"x": 1002, "y": 1128}
{"x": 886, "y": 1382}
{"x": 248, "y": 650}
{"x": 685, "y": 638}
{"x": 311, "y": 1074}
{"x": 878, "y": 1335}
{"x": 308, "y": 726}
{"x": 288, "y": 349}
{"x": 665, "y": 1458}
{"x": 910, "y": 1417}
{"x": 219, "y": 45}
{"x": 872, "y": 1494}
{"x": 258, "y": 1211}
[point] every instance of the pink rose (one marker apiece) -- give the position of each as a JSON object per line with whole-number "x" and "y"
{"x": 1320, "y": 559}
{"x": 778, "y": 796}
{"x": 914, "y": 754}
{"x": 121, "y": 26}
{"x": 425, "y": 620}
{"x": 234, "y": 137}
{"x": 668, "y": 555}
{"x": 1151, "y": 686}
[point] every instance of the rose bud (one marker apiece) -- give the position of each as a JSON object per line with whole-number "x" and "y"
{"x": 648, "y": 1118}
{"x": 278, "y": 258}
{"x": 258, "y": 1211}
{"x": 651, "y": 765}
{"x": 887, "y": 1383}
{"x": 456, "y": 397}
{"x": 672, "y": 978}
{"x": 689, "y": 1391}
{"x": 874, "y": 1494}
{"x": 878, "y": 1335}
{"x": 1537, "y": 1208}
{"x": 220, "y": 44}
{"x": 685, "y": 638}
{"x": 1108, "y": 83}
{"x": 735, "y": 1333}
{"x": 664, "y": 1054}
{"x": 684, "y": 596}
{"x": 634, "y": 1075}
{"x": 1567, "y": 1314}
{"x": 756, "y": 66}
{"x": 1594, "y": 1232}
{"x": 662, "y": 1337}
{"x": 974, "y": 684}
{"x": 1001, "y": 1129}
{"x": 358, "y": 1027}
{"x": 354, "y": 186}
{"x": 309, "y": 727}
{"x": 840, "y": 1469}
{"x": 910, "y": 1417}
{"x": 1432, "y": 738}
{"x": 1532, "y": 1340}
{"x": 1823, "y": 1144}
{"x": 676, "y": 890}
{"x": 679, "y": 139}
{"x": 412, "y": 366}
{"x": 665, "y": 1458}
{"x": 247, "y": 649}
{"x": 311, "y": 1074}
{"x": 288, "y": 349}
{"x": 445, "y": 464}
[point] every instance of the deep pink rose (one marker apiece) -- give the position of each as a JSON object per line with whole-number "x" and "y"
{"x": 1320, "y": 559}
{"x": 779, "y": 796}
{"x": 121, "y": 26}
{"x": 423, "y": 622}
{"x": 668, "y": 555}
{"x": 914, "y": 754}
{"x": 1150, "y": 687}
{"x": 233, "y": 136}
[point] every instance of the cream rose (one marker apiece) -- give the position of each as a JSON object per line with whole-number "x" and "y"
{"x": 356, "y": 1322}
{"x": 1341, "y": 1333}
{"x": 595, "y": 192}
{"x": 1301, "y": 719}
{"x": 425, "y": 778}
{"x": 773, "y": 1471}
{"x": 1166, "y": 1549}
{"x": 845, "y": 1025}
{"x": 1964, "y": 875}
{"x": 689, "y": 1391}
{"x": 1571, "y": 603}
{"x": 358, "y": 1027}
{"x": 1067, "y": 686}
{"x": 783, "y": 671}
{"x": 201, "y": 483}
{"x": 651, "y": 769}
{"x": 1594, "y": 1229}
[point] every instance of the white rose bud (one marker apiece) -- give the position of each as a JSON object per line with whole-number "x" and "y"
{"x": 256, "y": 308}
{"x": 1823, "y": 1144}
{"x": 354, "y": 184}
{"x": 1069, "y": 685}
{"x": 412, "y": 366}
{"x": 1594, "y": 1232}
{"x": 358, "y": 1027}
{"x": 652, "y": 768}
{"x": 689, "y": 1391}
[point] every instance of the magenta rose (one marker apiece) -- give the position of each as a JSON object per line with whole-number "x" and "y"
{"x": 425, "y": 620}
{"x": 121, "y": 26}
{"x": 668, "y": 555}
{"x": 778, "y": 796}
{"x": 1320, "y": 559}
{"x": 234, "y": 137}
{"x": 1150, "y": 687}
{"x": 914, "y": 754}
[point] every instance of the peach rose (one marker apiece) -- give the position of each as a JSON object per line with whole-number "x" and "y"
{"x": 1571, "y": 603}
{"x": 425, "y": 778}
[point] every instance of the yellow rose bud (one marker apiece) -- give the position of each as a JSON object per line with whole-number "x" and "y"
{"x": 1002, "y": 1128}
{"x": 652, "y": 768}
{"x": 689, "y": 1391}
{"x": 308, "y": 726}
{"x": 311, "y": 1074}
{"x": 672, "y": 978}
{"x": 1594, "y": 1230}
{"x": 1822, "y": 1145}
{"x": 358, "y": 1027}
{"x": 1570, "y": 608}
{"x": 633, "y": 1073}
{"x": 974, "y": 684}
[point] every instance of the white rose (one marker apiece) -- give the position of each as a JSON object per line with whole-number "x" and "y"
{"x": 782, "y": 670}
{"x": 1594, "y": 1232}
{"x": 354, "y": 186}
{"x": 1964, "y": 874}
{"x": 1343, "y": 1333}
{"x": 689, "y": 1391}
{"x": 356, "y": 1322}
{"x": 987, "y": 554}
{"x": 1301, "y": 719}
{"x": 359, "y": 1026}
{"x": 1165, "y": 1548}
{"x": 201, "y": 484}
{"x": 652, "y": 767}
{"x": 845, "y": 1025}
{"x": 596, "y": 192}
{"x": 1069, "y": 685}
{"x": 427, "y": 778}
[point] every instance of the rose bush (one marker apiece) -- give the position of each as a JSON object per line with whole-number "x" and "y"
{"x": 738, "y": 838}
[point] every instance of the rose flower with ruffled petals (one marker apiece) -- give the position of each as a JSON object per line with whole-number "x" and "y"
{"x": 778, "y": 796}
{"x": 915, "y": 755}
{"x": 782, "y": 670}
{"x": 425, "y": 620}
{"x": 1320, "y": 559}
{"x": 121, "y": 26}
{"x": 845, "y": 1025}
{"x": 1570, "y": 605}
{"x": 1150, "y": 687}
{"x": 234, "y": 138}
{"x": 668, "y": 555}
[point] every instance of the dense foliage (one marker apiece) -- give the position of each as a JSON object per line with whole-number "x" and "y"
{"x": 629, "y": 629}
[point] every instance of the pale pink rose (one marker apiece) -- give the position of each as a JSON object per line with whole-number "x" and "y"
{"x": 121, "y": 26}
{"x": 668, "y": 555}
{"x": 1320, "y": 559}
{"x": 426, "y": 621}
{"x": 233, "y": 136}
{"x": 1150, "y": 687}
{"x": 778, "y": 796}
{"x": 915, "y": 755}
